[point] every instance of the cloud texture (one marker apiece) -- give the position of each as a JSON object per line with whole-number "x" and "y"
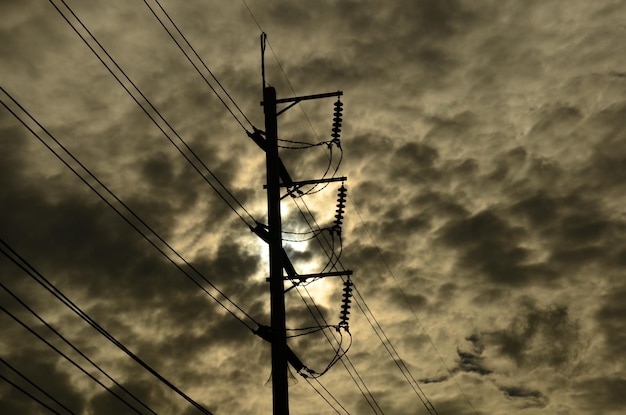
{"x": 485, "y": 154}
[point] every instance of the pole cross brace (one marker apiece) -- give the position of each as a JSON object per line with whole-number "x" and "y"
{"x": 303, "y": 277}
{"x": 296, "y": 100}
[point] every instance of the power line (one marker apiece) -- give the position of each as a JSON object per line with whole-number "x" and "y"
{"x": 30, "y": 395}
{"x": 345, "y": 359}
{"x": 406, "y": 300}
{"x": 45, "y": 283}
{"x": 39, "y": 388}
{"x": 424, "y": 399}
{"x": 281, "y": 69}
{"x": 326, "y": 399}
{"x": 201, "y": 61}
{"x": 386, "y": 343}
{"x": 395, "y": 356}
{"x": 252, "y": 15}
{"x": 76, "y": 349}
{"x": 134, "y": 226}
{"x": 132, "y": 213}
{"x": 187, "y": 157}
{"x": 69, "y": 359}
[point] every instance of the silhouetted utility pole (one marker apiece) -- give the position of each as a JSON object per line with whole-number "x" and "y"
{"x": 277, "y": 178}
{"x": 280, "y": 393}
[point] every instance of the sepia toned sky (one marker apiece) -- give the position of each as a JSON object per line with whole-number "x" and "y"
{"x": 485, "y": 154}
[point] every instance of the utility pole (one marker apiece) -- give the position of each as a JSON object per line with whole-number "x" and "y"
{"x": 280, "y": 389}
{"x": 277, "y": 178}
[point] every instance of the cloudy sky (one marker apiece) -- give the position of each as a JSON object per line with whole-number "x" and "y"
{"x": 485, "y": 151}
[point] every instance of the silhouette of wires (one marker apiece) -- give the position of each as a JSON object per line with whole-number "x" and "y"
{"x": 65, "y": 340}
{"x": 130, "y": 217}
{"x": 23, "y": 264}
{"x": 204, "y": 65}
{"x": 31, "y": 396}
{"x": 33, "y": 384}
{"x": 148, "y": 108}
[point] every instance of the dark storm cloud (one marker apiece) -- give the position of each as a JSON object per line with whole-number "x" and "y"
{"x": 556, "y": 122}
{"x": 539, "y": 337}
{"x": 525, "y": 398}
{"x": 604, "y": 392}
{"x": 490, "y": 244}
{"x": 434, "y": 203}
{"x": 471, "y": 360}
{"x": 579, "y": 230}
{"x": 415, "y": 162}
{"x": 611, "y": 318}
{"x": 608, "y": 156}
{"x": 416, "y": 301}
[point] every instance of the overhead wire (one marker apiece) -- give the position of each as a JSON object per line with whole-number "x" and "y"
{"x": 345, "y": 361}
{"x": 147, "y": 111}
{"x": 132, "y": 213}
{"x": 30, "y": 395}
{"x": 270, "y": 48}
{"x": 76, "y": 349}
{"x": 69, "y": 359}
{"x": 134, "y": 226}
{"x": 23, "y": 264}
{"x": 406, "y": 300}
{"x": 201, "y": 61}
{"x": 293, "y": 91}
{"x": 380, "y": 333}
{"x": 414, "y": 385}
{"x": 395, "y": 356}
{"x": 342, "y": 358}
{"x": 33, "y": 384}
{"x": 363, "y": 223}
{"x": 325, "y": 399}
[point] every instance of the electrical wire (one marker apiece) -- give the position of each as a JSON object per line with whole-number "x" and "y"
{"x": 369, "y": 233}
{"x": 279, "y": 66}
{"x": 132, "y": 213}
{"x": 406, "y": 300}
{"x": 310, "y": 330}
{"x": 386, "y": 344}
{"x": 152, "y": 108}
{"x": 69, "y": 359}
{"x": 293, "y": 91}
{"x": 325, "y": 399}
{"x": 134, "y": 226}
{"x": 33, "y": 384}
{"x": 51, "y": 288}
{"x": 76, "y": 349}
{"x": 201, "y": 61}
{"x": 303, "y": 145}
{"x": 344, "y": 359}
{"x": 393, "y": 353}
{"x": 30, "y": 395}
